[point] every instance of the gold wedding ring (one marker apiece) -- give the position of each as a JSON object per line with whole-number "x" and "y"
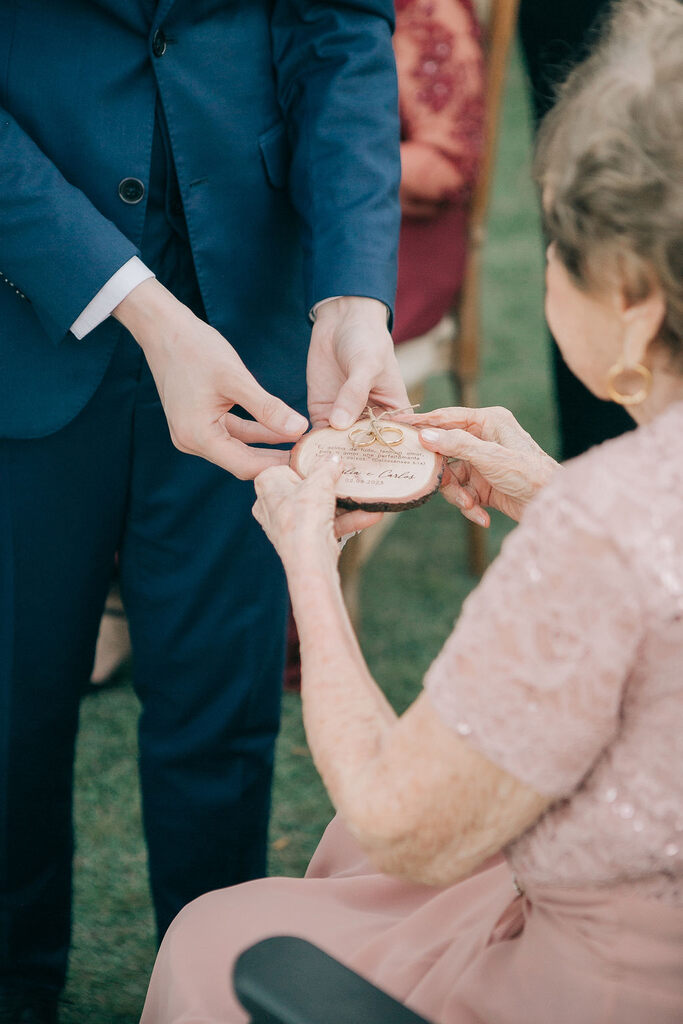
{"x": 383, "y": 431}
{"x": 362, "y": 438}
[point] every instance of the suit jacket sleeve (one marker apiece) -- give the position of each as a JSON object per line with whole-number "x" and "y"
{"x": 54, "y": 244}
{"x": 337, "y": 88}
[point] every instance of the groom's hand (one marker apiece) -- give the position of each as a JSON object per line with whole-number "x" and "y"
{"x": 351, "y": 362}
{"x": 200, "y": 378}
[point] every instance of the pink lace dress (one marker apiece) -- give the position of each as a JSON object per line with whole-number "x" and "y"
{"x": 565, "y": 668}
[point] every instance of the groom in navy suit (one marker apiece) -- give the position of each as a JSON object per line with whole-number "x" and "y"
{"x": 184, "y": 185}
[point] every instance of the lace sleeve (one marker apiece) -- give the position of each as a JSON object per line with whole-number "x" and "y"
{"x": 441, "y": 83}
{"x": 534, "y": 671}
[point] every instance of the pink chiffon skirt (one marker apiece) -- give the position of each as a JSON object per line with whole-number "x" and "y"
{"x": 473, "y": 953}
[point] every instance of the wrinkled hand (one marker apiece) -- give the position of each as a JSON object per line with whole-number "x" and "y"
{"x": 499, "y": 464}
{"x": 300, "y": 517}
{"x": 351, "y": 362}
{"x": 200, "y": 378}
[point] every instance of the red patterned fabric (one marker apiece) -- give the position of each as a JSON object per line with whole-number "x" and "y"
{"x": 441, "y": 93}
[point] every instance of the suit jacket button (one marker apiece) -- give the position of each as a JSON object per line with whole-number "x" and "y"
{"x": 159, "y": 43}
{"x": 131, "y": 190}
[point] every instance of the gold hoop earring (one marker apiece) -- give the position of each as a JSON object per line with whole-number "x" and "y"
{"x": 638, "y": 396}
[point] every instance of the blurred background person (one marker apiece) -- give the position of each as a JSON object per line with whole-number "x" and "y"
{"x": 440, "y": 69}
{"x": 556, "y": 36}
{"x": 439, "y": 62}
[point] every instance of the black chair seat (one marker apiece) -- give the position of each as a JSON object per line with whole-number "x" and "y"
{"x": 285, "y": 980}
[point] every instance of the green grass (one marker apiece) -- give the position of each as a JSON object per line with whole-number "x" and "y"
{"x": 412, "y": 591}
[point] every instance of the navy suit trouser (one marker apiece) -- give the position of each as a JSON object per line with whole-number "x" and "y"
{"x": 206, "y": 602}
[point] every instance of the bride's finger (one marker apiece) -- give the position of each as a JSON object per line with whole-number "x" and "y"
{"x": 275, "y": 479}
{"x": 477, "y": 515}
{"x": 456, "y": 418}
{"x": 457, "y": 494}
{"x": 457, "y": 470}
{"x": 448, "y": 418}
{"x": 493, "y": 461}
{"x": 326, "y": 473}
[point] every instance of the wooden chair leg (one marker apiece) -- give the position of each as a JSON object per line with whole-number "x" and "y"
{"x": 477, "y": 558}
{"x": 350, "y": 562}
{"x": 468, "y": 391}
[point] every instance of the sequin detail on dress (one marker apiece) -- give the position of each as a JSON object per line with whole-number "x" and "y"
{"x": 565, "y": 667}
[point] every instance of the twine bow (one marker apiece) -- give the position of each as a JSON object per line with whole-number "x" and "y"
{"x": 378, "y": 432}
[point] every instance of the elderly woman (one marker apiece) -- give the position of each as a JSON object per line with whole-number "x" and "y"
{"x": 510, "y": 849}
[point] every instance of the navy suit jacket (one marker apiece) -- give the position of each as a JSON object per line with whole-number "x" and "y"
{"x": 283, "y": 119}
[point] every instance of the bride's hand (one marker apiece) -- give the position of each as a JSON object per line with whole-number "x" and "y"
{"x": 499, "y": 464}
{"x": 300, "y": 516}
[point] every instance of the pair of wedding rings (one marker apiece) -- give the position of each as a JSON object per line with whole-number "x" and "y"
{"x": 360, "y": 437}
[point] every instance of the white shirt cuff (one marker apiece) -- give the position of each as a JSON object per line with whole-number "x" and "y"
{"x": 121, "y": 284}
{"x": 313, "y": 312}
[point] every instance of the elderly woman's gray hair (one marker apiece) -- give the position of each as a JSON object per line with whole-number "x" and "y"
{"x": 610, "y": 161}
